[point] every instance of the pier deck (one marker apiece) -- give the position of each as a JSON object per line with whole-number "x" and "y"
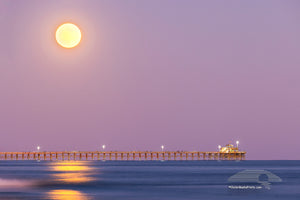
{"x": 122, "y": 155}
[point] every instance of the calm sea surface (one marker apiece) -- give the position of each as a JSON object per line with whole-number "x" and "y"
{"x": 145, "y": 180}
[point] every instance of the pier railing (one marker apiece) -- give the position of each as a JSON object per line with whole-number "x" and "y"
{"x": 122, "y": 155}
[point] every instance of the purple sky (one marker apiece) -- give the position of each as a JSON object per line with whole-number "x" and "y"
{"x": 187, "y": 74}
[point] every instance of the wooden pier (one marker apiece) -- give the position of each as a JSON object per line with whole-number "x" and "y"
{"x": 122, "y": 155}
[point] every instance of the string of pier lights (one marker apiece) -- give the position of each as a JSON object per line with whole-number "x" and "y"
{"x": 162, "y": 147}
{"x": 104, "y": 146}
{"x": 38, "y": 147}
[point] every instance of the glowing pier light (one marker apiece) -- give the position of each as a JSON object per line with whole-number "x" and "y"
{"x": 162, "y": 147}
{"x": 103, "y": 147}
{"x": 38, "y": 148}
{"x": 237, "y": 144}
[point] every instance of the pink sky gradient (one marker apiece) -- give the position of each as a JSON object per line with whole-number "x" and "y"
{"x": 187, "y": 74}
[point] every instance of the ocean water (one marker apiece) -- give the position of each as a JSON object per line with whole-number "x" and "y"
{"x": 147, "y": 180}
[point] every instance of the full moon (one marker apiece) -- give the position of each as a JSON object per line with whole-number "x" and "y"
{"x": 68, "y": 35}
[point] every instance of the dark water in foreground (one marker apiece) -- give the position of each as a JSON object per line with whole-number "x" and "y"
{"x": 147, "y": 180}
